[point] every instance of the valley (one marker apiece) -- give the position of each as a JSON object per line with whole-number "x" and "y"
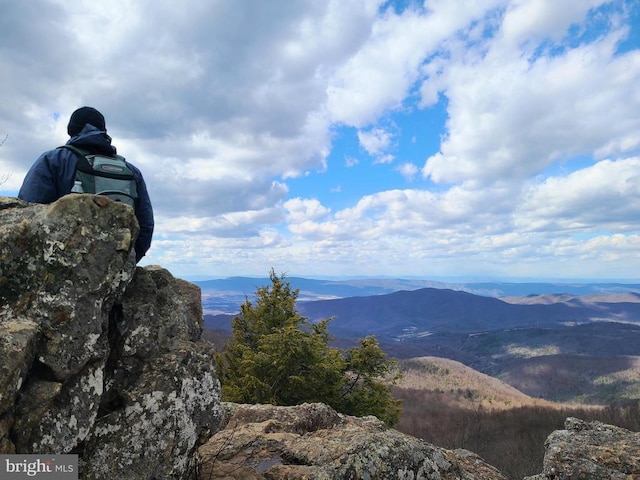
{"x": 558, "y": 342}
{"x": 495, "y": 371}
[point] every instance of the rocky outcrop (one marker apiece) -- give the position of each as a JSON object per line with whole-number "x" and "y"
{"x": 98, "y": 357}
{"x": 594, "y": 451}
{"x": 313, "y": 442}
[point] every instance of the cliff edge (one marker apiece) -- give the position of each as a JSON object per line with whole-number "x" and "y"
{"x": 97, "y": 356}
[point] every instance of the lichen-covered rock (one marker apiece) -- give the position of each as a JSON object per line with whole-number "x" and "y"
{"x": 161, "y": 417}
{"x": 62, "y": 266}
{"x": 313, "y": 442}
{"x": 160, "y": 310}
{"x": 17, "y": 350}
{"x": 163, "y": 389}
{"x": 98, "y": 357}
{"x": 57, "y": 417}
{"x": 594, "y": 451}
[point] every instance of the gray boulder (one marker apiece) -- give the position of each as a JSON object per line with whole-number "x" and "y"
{"x": 98, "y": 357}
{"x": 313, "y": 442}
{"x": 591, "y": 450}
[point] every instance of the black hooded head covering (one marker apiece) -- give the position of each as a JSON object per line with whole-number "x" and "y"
{"x": 81, "y": 117}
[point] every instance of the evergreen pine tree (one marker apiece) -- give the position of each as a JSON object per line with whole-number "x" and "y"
{"x": 276, "y": 356}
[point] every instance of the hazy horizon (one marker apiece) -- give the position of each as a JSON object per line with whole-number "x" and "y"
{"x": 453, "y": 279}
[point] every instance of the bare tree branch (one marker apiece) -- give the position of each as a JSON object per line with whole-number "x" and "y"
{"x": 5, "y": 176}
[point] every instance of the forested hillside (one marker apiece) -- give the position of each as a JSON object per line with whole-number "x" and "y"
{"x": 453, "y": 406}
{"x": 560, "y": 347}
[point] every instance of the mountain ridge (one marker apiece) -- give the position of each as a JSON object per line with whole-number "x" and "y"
{"x": 226, "y": 295}
{"x": 501, "y": 337}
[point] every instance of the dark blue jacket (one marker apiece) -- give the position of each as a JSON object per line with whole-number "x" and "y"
{"x": 53, "y": 173}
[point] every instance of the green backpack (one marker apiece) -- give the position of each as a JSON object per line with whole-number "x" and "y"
{"x": 104, "y": 175}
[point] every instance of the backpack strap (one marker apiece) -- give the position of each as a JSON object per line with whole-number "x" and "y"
{"x": 75, "y": 149}
{"x": 83, "y": 164}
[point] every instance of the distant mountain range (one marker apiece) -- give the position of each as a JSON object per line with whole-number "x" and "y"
{"x": 406, "y": 315}
{"x": 428, "y": 311}
{"x": 553, "y": 330}
{"x": 226, "y": 295}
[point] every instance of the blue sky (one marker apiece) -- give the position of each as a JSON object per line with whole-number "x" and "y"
{"x": 477, "y": 139}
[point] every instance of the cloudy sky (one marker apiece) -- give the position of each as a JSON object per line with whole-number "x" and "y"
{"x": 471, "y": 138}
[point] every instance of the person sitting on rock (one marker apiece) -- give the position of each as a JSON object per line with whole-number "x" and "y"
{"x": 53, "y": 173}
